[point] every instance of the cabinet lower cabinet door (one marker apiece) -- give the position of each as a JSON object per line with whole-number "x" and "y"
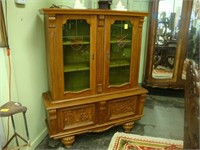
{"x": 121, "y": 108}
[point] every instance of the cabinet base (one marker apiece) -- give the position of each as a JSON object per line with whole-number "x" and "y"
{"x": 68, "y": 141}
{"x": 65, "y": 120}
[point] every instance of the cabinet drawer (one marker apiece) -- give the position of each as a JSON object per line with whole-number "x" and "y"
{"x": 75, "y": 117}
{"x": 121, "y": 108}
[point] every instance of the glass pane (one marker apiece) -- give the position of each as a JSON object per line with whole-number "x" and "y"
{"x": 166, "y": 38}
{"x": 120, "y": 52}
{"x": 193, "y": 38}
{"x": 76, "y": 55}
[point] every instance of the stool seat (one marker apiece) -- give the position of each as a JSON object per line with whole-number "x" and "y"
{"x": 11, "y": 108}
{"x": 8, "y": 110}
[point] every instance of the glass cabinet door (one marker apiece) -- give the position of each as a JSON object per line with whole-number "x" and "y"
{"x": 118, "y": 53}
{"x": 76, "y": 55}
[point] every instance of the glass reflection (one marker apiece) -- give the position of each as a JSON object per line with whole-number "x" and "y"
{"x": 168, "y": 23}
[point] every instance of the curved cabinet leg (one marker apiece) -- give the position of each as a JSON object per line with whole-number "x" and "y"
{"x": 128, "y": 127}
{"x": 68, "y": 141}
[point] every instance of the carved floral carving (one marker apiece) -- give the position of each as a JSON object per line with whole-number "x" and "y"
{"x": 78, "y": 116}
{"x": 122, "y": 107}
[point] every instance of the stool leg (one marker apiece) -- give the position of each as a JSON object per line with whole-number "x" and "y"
{"x": 26, "y": 126}
{"x": 13, "y": 123}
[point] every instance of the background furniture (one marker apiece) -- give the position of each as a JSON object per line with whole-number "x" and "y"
{"x": 93, "y": 63}
{"x": 167, "y": 44}
{"x": 192, "y": 102}
{"x": 3, "y": 33}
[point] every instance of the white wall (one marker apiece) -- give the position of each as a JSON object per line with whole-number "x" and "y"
{"x": 28, "y": 57}
{"x": 27, "y": 44}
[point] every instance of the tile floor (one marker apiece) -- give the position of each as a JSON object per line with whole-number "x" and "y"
{"x": 163, "y": 117}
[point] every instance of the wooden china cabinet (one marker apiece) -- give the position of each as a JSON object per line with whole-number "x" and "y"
{"x": 93, "y": 63}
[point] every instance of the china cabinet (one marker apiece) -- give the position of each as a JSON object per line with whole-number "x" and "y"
{"x": 167, "y": 43}
{"x": 93, "y": 63}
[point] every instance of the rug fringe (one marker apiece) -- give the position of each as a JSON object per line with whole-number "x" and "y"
{"x": 145, "y": 138}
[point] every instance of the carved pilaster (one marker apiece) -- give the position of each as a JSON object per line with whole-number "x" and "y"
{"x": 52, "y": 114}
{"x": 141, "y": 105}
{"x": 52, "y": 21}
{"x": 102, "y": 112}
{"x": 141, "y": 20}
{"x": 101, "y": 20}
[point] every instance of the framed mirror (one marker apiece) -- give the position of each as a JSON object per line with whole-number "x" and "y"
{"x": 3, "y": 35}
{"x": 167, "y": 43}
{"x": 192, "y": 52}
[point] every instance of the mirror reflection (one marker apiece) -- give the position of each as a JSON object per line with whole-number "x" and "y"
{"x": 193, "y": 38}
{"x": 168, "y": 23}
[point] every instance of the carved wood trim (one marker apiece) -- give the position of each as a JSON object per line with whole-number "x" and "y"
{"x": 101, "y": 20}
{"x": 68, "y": 141}
{"x": 52, "y": 21}
{"x": 128, "y": 126}
{"x": 141, "y": 20}
{"x": 52, "y": 121}
{"x": 52, "y": 114}
{"x": 102, "y": 112}
{"x": 75, "y": 117}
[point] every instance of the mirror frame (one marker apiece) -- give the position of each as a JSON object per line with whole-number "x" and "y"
{"x": 176, "y": 81}
{"x": 3, "y": 39}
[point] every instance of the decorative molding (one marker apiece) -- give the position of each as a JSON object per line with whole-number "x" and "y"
{"x": 52, "y": 21}
{"x": 101, "y": 20}
{"x": 102, "y": 105}
{"x": 52, "y": 114}
{"x": 141, "y": 20}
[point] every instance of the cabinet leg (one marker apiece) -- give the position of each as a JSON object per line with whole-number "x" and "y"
{"x": 128, "y": 127}
{"x": 68, "y": 141}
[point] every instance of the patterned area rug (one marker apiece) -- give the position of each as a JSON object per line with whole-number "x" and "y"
{"x": 124, "y": 141}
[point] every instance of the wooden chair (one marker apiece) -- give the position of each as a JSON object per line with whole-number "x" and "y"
{"x": 192, "y": 102}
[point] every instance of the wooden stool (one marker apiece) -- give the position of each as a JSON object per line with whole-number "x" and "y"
{"x": 9, "y": 109}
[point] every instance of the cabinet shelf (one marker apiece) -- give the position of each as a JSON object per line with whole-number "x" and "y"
{"x": 117, "y": 41}
{"x": 76, "y": 67}
{"x": 73, "y": 43}
{"x": 119, "y": 63}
